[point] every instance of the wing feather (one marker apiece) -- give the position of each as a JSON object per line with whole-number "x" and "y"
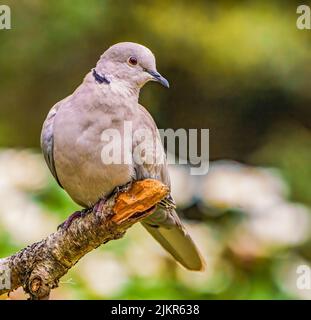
{"x": 47, "y": 141}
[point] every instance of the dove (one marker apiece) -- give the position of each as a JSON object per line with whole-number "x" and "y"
{"x": 72, "y": 143}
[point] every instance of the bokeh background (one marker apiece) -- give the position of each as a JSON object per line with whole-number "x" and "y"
{"x": 239, "y": 68}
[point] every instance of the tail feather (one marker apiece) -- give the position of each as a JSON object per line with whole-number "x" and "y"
{"x": 179, "y": 244}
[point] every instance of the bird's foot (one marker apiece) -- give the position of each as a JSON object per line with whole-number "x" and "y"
{"x": 78, "y": 214}
{"x": 120, "y": 189}
{"x": 98, "y": 208}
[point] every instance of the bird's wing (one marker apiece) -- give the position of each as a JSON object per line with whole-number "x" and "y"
{"x": 156, "y": 171}
{"x": 47, "y": 140}
{"x": 164, "y": 225}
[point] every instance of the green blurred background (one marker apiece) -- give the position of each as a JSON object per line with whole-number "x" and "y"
{"x": 239, "y": 68}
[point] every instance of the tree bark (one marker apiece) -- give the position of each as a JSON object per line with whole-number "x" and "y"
{"x": 38, "y": 267}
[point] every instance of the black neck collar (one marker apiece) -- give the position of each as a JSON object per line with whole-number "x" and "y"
{"x": 99, "y": 78}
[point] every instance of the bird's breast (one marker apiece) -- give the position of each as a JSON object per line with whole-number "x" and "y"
{"x": 78, "y": 151}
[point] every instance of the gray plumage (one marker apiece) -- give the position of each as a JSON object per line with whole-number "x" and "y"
{"x": 72, "y": 145}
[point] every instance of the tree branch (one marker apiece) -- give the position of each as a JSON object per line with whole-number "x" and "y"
{"x": 38, "y": 267}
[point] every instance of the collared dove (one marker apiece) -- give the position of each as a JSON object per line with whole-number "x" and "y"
{"x": 72, "y": 142}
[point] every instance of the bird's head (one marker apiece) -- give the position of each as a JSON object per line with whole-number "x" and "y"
{"x": 131, "y": 63}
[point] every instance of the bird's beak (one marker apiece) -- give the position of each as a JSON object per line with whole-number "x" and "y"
{"x": 158, "y": 78}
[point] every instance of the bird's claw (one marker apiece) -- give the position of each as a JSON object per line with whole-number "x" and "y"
{"x": 67, "y": 223}
{"x": 98, "y": 208}
{"x": 120, "y": 189}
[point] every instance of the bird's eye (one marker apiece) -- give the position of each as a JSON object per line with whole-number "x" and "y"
{"x": 132, "y": 61}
